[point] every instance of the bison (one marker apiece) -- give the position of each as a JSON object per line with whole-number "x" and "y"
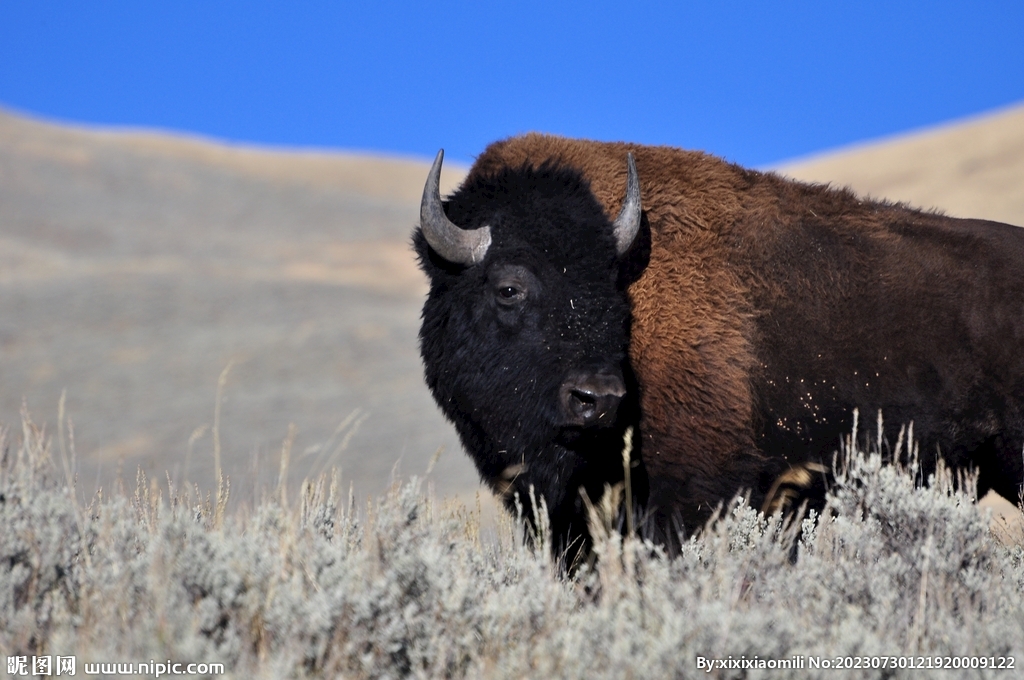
{"x": 734, "y": 318}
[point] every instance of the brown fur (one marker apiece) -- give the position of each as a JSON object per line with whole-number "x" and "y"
{"x": 693, "y": 367}
{"x": 762, "y": 291}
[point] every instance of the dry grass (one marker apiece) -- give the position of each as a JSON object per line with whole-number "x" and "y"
{"x": 410, "y": 587}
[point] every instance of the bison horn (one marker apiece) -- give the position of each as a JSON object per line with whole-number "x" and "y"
{"x": 627, "y": 224}
{"x": 462, "y": 246}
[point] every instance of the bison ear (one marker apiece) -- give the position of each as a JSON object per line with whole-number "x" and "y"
{"x": 634, "y": 261}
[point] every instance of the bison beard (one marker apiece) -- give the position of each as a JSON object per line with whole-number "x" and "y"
{"x": 736, "y": 325}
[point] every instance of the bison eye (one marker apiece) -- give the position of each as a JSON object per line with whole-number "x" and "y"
{"x": 511, "y": 294}
{"x": 511, "y": 285}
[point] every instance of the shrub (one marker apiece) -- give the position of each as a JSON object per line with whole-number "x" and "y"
{"x": 410, "y": 587}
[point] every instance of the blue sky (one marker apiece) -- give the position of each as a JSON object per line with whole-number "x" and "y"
{"x": 756, "y": 82}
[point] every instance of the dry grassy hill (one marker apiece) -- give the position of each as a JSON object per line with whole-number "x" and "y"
{"x": 970, "y": 168}
{"x": 135, "y": 266}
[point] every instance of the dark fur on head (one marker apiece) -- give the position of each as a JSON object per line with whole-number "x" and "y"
{"x": 499, "y": 338}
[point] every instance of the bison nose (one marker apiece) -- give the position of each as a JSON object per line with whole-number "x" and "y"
{"x": 592, "y": 399}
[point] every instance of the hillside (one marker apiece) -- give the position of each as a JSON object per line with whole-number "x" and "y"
{"x": 135, "y": 266}
{"x": 970, "y": 168}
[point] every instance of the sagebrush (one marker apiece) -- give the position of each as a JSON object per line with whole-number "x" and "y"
{"x": 412, "y": 587}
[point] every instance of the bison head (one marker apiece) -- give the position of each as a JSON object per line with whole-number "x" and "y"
{"x": 525, "y": 332}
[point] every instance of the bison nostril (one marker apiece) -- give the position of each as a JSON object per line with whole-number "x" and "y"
{"x": 592, "y": 399}
{"x": 585, "y": 406}
{"x": 584, "y": 399}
